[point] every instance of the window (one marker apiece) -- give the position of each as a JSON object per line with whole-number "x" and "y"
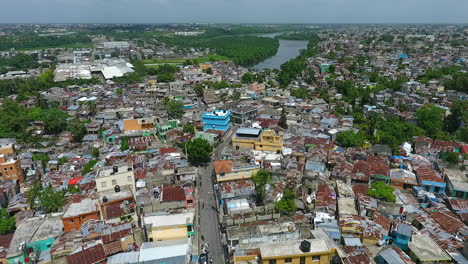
{"x": 11, "y": 168}
{"x": 103, "y": 184}
{"x": 222, "y": 174}
{"x": 129, "y": 178}
{"x": 272, "y": 261}
{"x": 70, "y": 221}
{"x": 5, "y": 169}
{"x": 315, "y": 258}
{"x": 83, "y": 217}
{"x": 114, "y": 182}
{"x": 287, "y": 260}
{"x": 302, "y": 260}
{"x": 189, "y": 228}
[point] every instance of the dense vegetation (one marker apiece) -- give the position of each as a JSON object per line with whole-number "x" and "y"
{"x": 164, "y": 73}
{"x": 15, "y": 120}
{"x": 245, "y": 50}
{"x": 382, "y": 191}
{"x": 199, "y": 151}
{"x": 7, "y": 222}
{"x": 46, "y": 199}
{"x": 261, "y": 179}
{"x": 287, "y": 204}
{"x": 34, "y": 41}
{"x": 18, "y": 62}
{"x": 30, "y": 86}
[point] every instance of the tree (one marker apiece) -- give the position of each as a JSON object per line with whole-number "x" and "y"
{"x": 78, "y": 129}
{"x": 188, "y": 129}
{"x": 283, "y": 122}
{"x": 95, "y": 152}
{"x": 380, "y": 190}
{"x": 199, "y": 151}
{"x": 287, "y": 204}
{"x": 198, "y": 90}
{"x": 300, "y": 93}
{"x": 124, "y": 143}
{"x": 63, "y": 160}
{"x": 119, "y": 91}
{"x": 174, "y": 109}
{"x": 209, "y": 71}
{"x": 261, "y": 179}
{"x": 88, "y": 167}
{"x": 45, "y": 199}
{"x": 458, "y": 116}
{"x": 236, "y": 96}
{"x": 431, "y": 119}
{"x": 7, "y": 222}
{"x": 165, "y": 78}
{"x": 51, "y": 201}
{"x": 55, "y": 120}
{"x": 451, "y": 157}
{"x": 349, "y": 139}
{"x": 247, "y": 77}
{"x": 44, "y": 158}
{"x": 331, "y": 69}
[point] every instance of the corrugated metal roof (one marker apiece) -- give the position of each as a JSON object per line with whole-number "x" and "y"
{"x": 352, "y": 241}
{"x": 390, "y": 256}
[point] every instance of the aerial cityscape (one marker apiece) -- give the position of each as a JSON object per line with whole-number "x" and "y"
{"x": 231, "y": 137}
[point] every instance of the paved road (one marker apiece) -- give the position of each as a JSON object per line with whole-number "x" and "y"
{"x": 208, "y": 211}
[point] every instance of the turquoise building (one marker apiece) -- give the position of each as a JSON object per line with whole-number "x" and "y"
{"x": 217, "y": 120}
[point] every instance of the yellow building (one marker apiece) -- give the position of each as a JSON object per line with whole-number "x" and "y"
{"x": 169, "y": 227}
{"x": 227, "y": 170}
{"x": 254, "y": 138}
{"x": 7, "y": 149}
{"x": 311, "y": 251}
{"x": 138, "y": 124}
{"x": 204, "y": 66}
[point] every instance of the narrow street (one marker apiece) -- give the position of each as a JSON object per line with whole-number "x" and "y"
{"x": 208, "y": 209}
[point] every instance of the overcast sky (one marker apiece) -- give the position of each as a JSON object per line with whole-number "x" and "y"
{"x": 234, "y": 11}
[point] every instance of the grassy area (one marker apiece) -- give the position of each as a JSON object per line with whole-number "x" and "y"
{"x": 207, "y": 58}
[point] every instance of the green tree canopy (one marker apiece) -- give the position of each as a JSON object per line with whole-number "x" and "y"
{"x": 431, "y": 119}
{"x": 283, "y": 121}
{"x": 261, "y": 179}
{"x": 287, "y": 204}
{"x": 7, "y": 222}
{"x": 188, "y": 129}
{"x": 349, "y": 139}
{"x": 88, "y": 167}
{"x": 380, "y": 190}
{"x": 300, "y": 93}
{"x": 451, "y": 157}
{"x": 458, "y": 116}
{"x": 78, "y": 129}
{"x": 174, "y": 109}
{"x": 55, "y": 120}
{"x": 95, "y": 152}
{"x": 46, "y": 199}
{"x": 247, "y": 77}
{"x": 199, "y": 151}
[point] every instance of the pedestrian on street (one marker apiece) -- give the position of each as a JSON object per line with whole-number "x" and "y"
{"x": 211, "y": 259}
{"x": 202, "y": 238}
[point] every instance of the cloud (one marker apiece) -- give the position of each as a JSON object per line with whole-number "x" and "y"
{"x": 235, "y": 11}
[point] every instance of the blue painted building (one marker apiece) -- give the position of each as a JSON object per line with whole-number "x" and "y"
{"x": 401, "y": 234}
{"x": 217, "y": 120}
{"x": 429, "y": 181}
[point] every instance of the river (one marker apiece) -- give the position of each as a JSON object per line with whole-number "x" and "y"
{"x": 288, "y": 49}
